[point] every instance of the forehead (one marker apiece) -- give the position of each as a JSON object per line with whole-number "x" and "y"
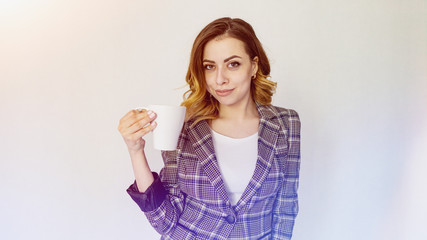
{"x": 221, "y": 48}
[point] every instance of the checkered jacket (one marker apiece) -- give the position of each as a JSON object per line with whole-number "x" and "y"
{"x": 188, "y": 200}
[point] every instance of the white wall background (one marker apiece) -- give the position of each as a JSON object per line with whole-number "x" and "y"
{"x": 356, "y": 71}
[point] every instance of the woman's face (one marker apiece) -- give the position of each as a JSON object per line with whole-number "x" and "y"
{"x": 228, "y": 71}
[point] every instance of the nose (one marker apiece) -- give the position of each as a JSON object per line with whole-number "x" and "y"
{"x": 221, "y": 77}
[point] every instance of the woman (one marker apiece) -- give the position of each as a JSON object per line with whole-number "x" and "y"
{"x": 235, "y": 172}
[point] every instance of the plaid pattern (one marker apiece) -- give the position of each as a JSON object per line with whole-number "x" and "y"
{"x": 196, "y": 205}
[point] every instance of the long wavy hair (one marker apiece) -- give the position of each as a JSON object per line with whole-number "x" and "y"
{"x": 198, "y": 101}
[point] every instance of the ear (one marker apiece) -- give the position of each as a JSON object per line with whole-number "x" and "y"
{"x": 254, "y": 65}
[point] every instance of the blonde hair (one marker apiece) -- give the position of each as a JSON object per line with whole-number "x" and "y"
{"x": 199, "y": 102}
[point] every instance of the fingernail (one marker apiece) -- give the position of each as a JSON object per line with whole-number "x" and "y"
{"x": 153, "y": 125}
{"x": 151, "y": 114}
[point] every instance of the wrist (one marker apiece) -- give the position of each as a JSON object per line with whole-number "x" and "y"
{"x": 135, "y": 151}
{"x": 135, "y": 146}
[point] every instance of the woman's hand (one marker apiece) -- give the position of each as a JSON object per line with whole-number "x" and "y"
{"x": 134, "y": 125}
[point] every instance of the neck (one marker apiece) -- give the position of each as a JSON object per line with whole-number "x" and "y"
{"x": 239, "y": 112}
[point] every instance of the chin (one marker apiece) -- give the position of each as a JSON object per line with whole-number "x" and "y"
{"x": 227, "y": 102}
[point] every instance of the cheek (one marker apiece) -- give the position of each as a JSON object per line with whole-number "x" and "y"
{"x": 247, "y": 74}
{"x": 246, "y": 83}
{"x": 209, "y": 83}
{"x": 244, "y": 78}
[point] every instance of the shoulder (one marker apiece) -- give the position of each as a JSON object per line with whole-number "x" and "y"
{"x": 287, "y": 118}
{"x": 285, "y": 112}
{"x": 275, "y": 112}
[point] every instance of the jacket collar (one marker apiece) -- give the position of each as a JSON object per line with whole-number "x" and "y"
{"x": 268, "y": 132}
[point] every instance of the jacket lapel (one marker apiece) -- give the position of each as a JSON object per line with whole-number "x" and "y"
{"x": 201, "y": 137}
{"x": 268, "y": 132}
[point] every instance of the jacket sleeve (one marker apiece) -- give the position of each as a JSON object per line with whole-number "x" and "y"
{"x": 285, "y": 207}
{"x": 162, "y": 202}
{"x": 152, "y": 198}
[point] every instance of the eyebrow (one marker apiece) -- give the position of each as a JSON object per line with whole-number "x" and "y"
{"x": 225, "y": 60}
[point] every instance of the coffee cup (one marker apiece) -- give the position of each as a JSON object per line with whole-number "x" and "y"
{"x": 169, "y": 125}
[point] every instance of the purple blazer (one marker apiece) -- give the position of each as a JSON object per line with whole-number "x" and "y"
{"x": 189, "y": 199}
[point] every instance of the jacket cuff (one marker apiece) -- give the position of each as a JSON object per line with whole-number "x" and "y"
{"x": 152, "y": 198}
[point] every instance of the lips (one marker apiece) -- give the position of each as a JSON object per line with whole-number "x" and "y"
{"x": 224, "y": 92}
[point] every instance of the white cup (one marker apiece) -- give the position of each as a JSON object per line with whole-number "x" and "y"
{"x": 169, "y": 125}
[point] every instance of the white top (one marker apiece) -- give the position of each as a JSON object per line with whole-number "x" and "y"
{"x": 237, "y": 160}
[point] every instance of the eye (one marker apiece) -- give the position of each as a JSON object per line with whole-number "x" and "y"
{"x": 208, "y": 66}
{"x": 233, "y": 64}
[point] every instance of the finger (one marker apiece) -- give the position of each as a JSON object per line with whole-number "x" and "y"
{"x": 136, "y": 123}
{"x": 132, "y": 114}
{"x": 144, "y": 115}
{"x": 139, "y": 119}
{"x": 141, "y": 132}
{"x": 144, "y": 122}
